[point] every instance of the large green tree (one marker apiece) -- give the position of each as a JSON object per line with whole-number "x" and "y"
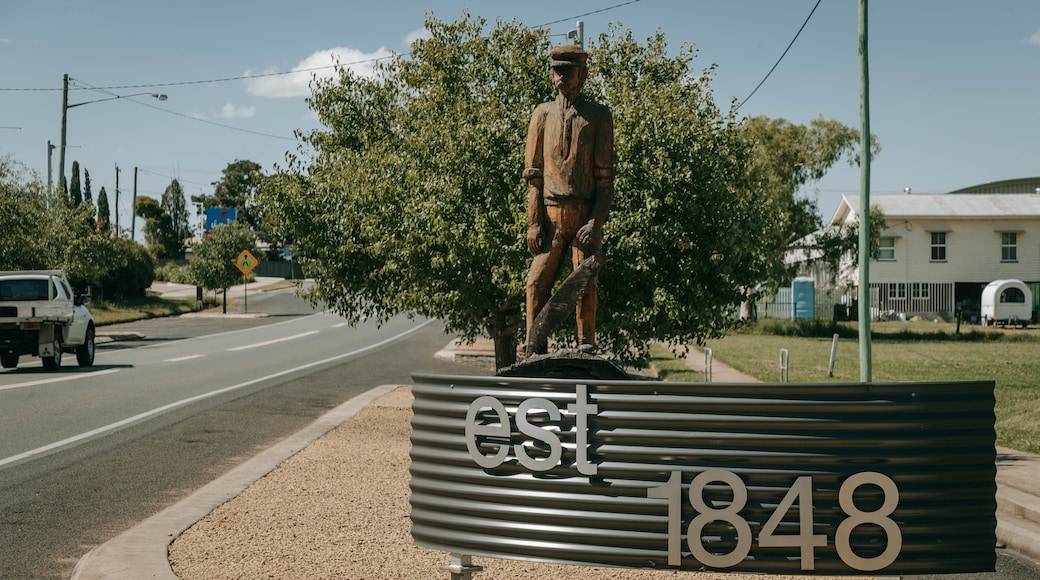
{"x": 75, "y": 190}
{"x": 167, "y": 223}
{"x": 156, "y": 223}
{"x": 175, "y": 205}
{"x": 88, "y": 195}
{"x": 88, "y": 199}
{"x": 787, "y": 157}
{"x": 104, "y": 214}
{"x": 23, "y": 218}
{"x": 410, "y": 199}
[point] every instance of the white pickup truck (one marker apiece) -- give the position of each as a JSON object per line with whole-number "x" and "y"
{"x": 40, "y": 316}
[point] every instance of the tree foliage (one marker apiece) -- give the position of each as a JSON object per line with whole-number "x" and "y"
{"x": 175, "y": 205}
{"x": 39, "y": 232}
{"x": 413, "y": 199}
{"x": 787, "y": 157}
{"x": 236, "y": 188}
{"x": 156, "y": 222}
{"x": 213, "y": 266}
{"x": 410, "y": 199}
{"x": 23, "y": 218}
{"x": 104, "y": 213}
{"x": 167, "y": 223}
{"x": 88, "y": 199}
{"x": 686, "y": 228}
{"x": 75, "y": 190}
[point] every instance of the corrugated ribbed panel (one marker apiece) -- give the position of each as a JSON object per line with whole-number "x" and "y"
{"x": 900, "y": 477}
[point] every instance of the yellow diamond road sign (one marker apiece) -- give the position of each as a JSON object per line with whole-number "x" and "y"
{"x": 245, "y": 262}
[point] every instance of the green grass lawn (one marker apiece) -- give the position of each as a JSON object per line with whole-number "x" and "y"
{"x": 154, "y": 306}
{"x": 112, "y": 312}
{"x": 900, "y": 352}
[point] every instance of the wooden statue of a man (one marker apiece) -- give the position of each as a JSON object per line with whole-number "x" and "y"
{"x": 569, "y": 166}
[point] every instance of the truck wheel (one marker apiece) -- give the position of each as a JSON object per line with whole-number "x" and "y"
{"x": 8, "y": 360}
{"x": 85, "y": 352}
{"x": 53, "y": 362}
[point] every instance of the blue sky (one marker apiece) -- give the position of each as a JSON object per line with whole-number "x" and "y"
{"x": 954, "y": 84}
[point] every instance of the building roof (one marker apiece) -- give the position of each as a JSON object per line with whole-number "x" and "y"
{"x": 945, "y": 206}
{"x": 1018, "y": 185}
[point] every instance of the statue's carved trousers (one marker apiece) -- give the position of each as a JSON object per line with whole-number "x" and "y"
{"x": 564, "y": 221}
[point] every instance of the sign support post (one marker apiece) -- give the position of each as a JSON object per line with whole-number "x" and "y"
{"x": 246, "y": 262}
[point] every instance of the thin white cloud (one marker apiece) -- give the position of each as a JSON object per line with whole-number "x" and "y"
{"x": 416, "y": 35}
{"x": 231, "y": 111}
{"x": 1034, "y": 39}
{"x": 297, "y": 83}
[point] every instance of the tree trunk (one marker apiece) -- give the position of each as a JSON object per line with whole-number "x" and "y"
{"x": 504, "y": 336}
{"x": 224, "y": 300}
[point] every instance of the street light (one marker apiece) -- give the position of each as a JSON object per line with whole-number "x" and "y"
{"x": 65, "y": 106}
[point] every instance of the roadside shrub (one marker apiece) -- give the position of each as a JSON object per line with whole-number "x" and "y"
{"x": 800, "y": 328}
{"x": 130, "y": 273}
{"x": 173, "y": 272}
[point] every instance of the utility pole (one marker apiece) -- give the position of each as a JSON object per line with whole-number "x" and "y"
{"x": 865, "y": 361}
{"x": 65, "y": 106}
{"x": 117, "y": 200}
{"x": 578, "y": 34}
{"x": 133, "y": 208}
{"x": 50, "y": 150}
{"x": 64, "y": 117}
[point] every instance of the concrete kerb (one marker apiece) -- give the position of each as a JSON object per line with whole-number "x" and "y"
{"x": 142, "y": 551}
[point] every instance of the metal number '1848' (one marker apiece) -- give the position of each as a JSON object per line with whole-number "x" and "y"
{"x": 806, "y": 541}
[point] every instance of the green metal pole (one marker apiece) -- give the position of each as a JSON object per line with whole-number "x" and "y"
{"x": 865, "y": 370}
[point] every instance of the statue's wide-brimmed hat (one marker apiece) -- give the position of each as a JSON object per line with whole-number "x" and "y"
{"x": 568, "y": 55}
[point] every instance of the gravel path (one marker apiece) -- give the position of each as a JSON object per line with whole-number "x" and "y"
{"x": 339, "y": 509}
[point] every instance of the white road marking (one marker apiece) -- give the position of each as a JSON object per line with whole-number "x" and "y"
{"x": 159, "y": 410}
{"x": 184, "y": 358}
{"x": 275, "y": 341}
{"x": 74, "y": 377}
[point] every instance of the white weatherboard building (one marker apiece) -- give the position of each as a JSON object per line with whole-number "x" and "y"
{"x": 938, "y": 252}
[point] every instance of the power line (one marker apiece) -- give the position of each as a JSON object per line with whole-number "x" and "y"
{"x": 588, "y": 13}
{"x": 297, "y": 71}
{"x": 813, "y": 11}
{"x": 105, "y": 90}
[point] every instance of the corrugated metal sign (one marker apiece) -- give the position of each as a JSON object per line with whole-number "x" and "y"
{"x": 797, "y": 479}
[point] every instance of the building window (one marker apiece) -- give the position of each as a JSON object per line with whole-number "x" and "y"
{"x": 1009, "y": 247}
{"x": 897, "y": 291}
{"x": 919, "y": 291}
{"x": 938, "y": 246}
{"x": 886, "y": 249}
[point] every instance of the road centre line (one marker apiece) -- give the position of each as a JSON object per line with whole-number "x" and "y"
{"x": 59, "y": 379}
{"x": 275, "y": 341}
{"x": 184, "y": 358}
{"x": 159, "y": 410}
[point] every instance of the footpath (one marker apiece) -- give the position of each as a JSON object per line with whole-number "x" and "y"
{"x": 332, "y": 502}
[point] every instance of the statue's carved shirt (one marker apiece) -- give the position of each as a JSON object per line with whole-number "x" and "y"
{"x": 570, "y": 146}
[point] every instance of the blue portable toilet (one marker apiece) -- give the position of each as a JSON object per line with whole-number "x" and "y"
{"x": 803, "y": 299}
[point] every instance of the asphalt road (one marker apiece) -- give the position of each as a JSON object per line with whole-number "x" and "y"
{"x": 85, "y": 457}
